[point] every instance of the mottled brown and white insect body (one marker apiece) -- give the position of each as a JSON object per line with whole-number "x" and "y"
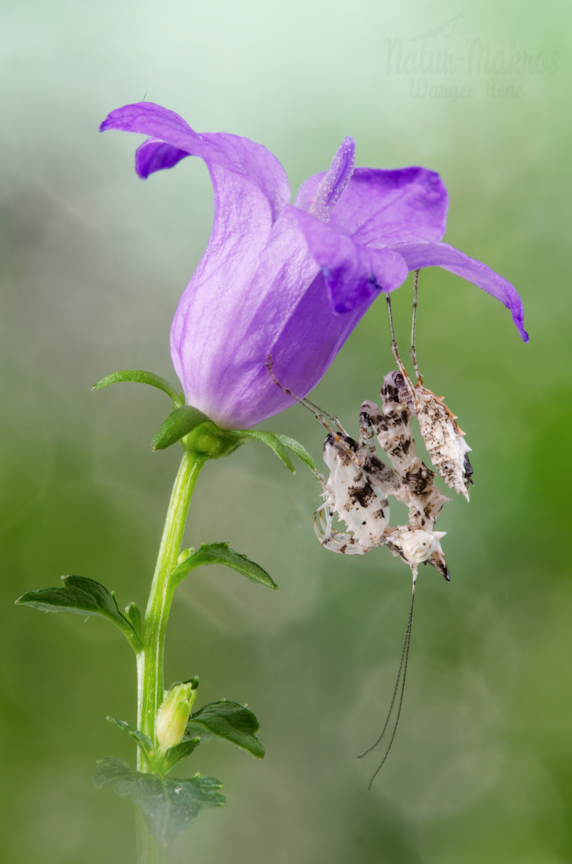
{"x": 392, "y": 427}
{"x": 356, "y": 492}
{"x": 359, "y": 484}
{"x": 444, "y": 440}
{"x": 417, "y": 547}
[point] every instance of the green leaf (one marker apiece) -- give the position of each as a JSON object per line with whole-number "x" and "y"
{"x": 176, "y": 754}
{"x": 81, "y": 596}
{"x": 168, "y": 805}
{"x": 144, "y": 743}
{"x": 219, "y": 553}
{"x": 178, "y": 424}
{"x": 272, "y": 440}
{"x": 140, "y": 377}
{"x": 229, "y": 720}
{"x": 299, "y": 450}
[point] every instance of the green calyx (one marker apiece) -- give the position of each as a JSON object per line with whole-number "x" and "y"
{"x": 203, "y": 438}
{"x": 211, "y": 442}
{"x": 199, "y": 434}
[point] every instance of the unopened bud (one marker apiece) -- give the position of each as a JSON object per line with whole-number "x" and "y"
{"x": 173, "y": 715}
{"x": 184, "y": 554}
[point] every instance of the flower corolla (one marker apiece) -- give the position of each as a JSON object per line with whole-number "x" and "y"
{"x": 290, "y": 280}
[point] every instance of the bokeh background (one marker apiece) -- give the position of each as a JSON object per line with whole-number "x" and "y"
{"x": 92, "y": 264}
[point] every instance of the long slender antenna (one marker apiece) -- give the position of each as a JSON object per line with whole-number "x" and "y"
{"x": 314, "y": 409}
{"x": 412, "y": 351}
{"x": 398, "y": 688}
{"x": 395, "y": 351}
{"x": 394, "y": 347}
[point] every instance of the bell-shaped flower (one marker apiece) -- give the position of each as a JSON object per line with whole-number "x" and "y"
{"x": 291, "y": 281}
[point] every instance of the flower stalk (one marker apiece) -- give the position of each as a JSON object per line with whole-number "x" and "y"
{"x": 150, "y": 658}
{"x": 148, "y": 852}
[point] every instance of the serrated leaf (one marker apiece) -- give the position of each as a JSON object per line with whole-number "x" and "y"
{"x": 142, "y": 740}
{"x": 298, "y": 449}
{"x": 230, "y": 721}
{"x": 140, "y": 377}
{"x": 168, "y": 805}
{"x": 272, "y": 440}
{"x": 82, "y": 596}
{"x": 179, "y": 423}
{"x": 176, "y": 754}
{"x": 219, "y": 553}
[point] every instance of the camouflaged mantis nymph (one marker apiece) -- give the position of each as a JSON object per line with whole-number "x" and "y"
{"x": 359, "y": 485}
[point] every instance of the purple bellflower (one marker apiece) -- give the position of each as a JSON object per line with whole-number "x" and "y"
{"x": 291, "y": 280}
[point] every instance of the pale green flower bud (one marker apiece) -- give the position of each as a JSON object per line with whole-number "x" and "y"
{"x": 173, "y": 715}
{"x": 184, "y": 554}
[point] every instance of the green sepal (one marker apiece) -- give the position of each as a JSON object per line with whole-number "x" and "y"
{"x": 272, "y": 440}
{"x": 144, "y": 743}
{"x": 168, "y": 804}
{"x": 176, "y": 754}
{"x": 230, "y": 721}
{"x": 82, "y": 596}
{"x": 179, "y": 423}
{"x": 219, "y": 553}
{"x": 299, "y": 450}
{"x": 141, "y": 377}
{"x": 280, "y": 444}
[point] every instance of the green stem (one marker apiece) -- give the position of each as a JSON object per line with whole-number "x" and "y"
{"x": 150, "y": 658}
{"x": 148, "y": 852}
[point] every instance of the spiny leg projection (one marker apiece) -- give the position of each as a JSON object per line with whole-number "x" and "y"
{"x": 438, "y": 425}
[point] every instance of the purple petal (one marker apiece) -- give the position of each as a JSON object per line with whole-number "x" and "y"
{"x": 442, "y": 255}
{"x": 249, "y": 185}
{"x": 335, "y": 181}
{"x": 211, "y": 331}
{"x": 252, "y": 162}
{"x": 383, "y": 208}
{"x": 353, "y": 273}
{"x": 304, "y": 348}
{"x": 155, "y": 155}
{"x": 229, "y": 320}
{"x": 277, "y": 280}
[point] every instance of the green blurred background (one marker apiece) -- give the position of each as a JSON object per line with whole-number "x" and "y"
{"x": 93, "y": 262}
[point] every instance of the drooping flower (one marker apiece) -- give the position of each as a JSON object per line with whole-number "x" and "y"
{"x": 290, "y": 280}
